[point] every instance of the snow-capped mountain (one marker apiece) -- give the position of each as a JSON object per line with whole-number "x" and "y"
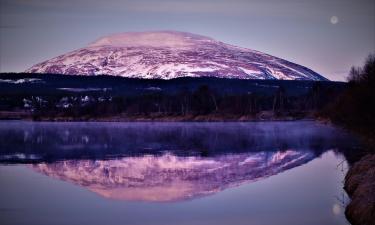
{"x": 170, "y": 54}
{"x": 169, "y": 177}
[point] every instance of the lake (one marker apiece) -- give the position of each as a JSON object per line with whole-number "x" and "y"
{"x": 173, "y": 173}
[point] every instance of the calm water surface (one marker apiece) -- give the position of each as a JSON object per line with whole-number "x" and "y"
{"x": 172, "y": 173}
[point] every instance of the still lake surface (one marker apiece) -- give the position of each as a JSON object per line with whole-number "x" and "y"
{"x": 257, "y": 173}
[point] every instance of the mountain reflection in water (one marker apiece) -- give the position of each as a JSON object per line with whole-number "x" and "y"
{"x": 163, "y": 162}
{"x": 169, "y": 177}
{"x": 173, "y": 173}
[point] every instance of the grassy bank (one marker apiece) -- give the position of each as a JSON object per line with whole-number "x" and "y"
{"x": 360, "y": 186}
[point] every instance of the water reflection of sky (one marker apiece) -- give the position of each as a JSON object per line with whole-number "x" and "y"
{"x": 219, "y": 173}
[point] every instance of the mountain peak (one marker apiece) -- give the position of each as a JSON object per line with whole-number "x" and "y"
{"x": 151, "y": 39}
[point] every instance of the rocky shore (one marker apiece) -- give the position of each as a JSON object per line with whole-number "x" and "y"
{"x": 360, "y": 186}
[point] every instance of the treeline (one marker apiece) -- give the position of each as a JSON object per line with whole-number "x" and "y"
{"x": 355, "y": 106}
{"x": 203, "y": 101}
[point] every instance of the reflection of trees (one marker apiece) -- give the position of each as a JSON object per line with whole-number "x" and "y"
{"x": 55, "y": 141}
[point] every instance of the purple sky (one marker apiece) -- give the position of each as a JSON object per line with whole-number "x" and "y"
{"x": 328, "y": 36}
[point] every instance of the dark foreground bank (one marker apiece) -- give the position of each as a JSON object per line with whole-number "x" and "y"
{"x": 360, "y": 186}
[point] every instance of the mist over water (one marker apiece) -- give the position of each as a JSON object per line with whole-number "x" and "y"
{"x": 51, "y": 141}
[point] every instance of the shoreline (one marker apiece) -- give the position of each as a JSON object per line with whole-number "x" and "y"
{"x": 263, "y": 116}
{"x": 161, "y": 120}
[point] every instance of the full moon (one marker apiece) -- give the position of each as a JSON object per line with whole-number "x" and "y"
{"x": 334, "y": 19}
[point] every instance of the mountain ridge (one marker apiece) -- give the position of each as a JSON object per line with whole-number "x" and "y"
{"x": 172, "y": 54}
